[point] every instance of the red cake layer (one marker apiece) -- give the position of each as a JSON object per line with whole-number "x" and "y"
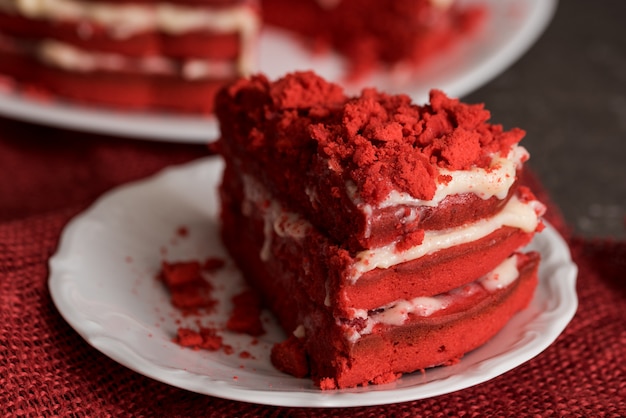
{"x": 435, "y": 273}
{"x": 128, "y": 91}
{"x": 370, "y": 32}
{"x": 305, "y": 141}
{"x": 387, "y": 223}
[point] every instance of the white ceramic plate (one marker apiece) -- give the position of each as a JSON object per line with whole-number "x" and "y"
{"x": 512, "y": 27}
{"x": 103, "y": 282}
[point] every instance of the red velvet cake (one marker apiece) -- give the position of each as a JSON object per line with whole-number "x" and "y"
{"x": 373, "y": 32}
{"x": 174, "y": 55}
{"x": 385, "y": 236}
{"x": 138, "y": 54}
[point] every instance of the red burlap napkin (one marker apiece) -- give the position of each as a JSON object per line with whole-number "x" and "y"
{"x": 47, "y": 369}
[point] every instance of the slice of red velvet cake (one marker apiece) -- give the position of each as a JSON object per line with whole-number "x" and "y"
{"x": 385, "y": 236}
{"x": 171, "y": 55}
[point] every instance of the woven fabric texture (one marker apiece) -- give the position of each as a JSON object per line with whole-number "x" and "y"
{"x": 47, "y": 369}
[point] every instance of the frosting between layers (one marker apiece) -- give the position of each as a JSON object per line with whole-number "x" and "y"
{"x": 483, "y": 182}
{"x": 276, "y": 220}
{"x": 397, "y": 313}
{"x": 126, "y": 19}
{"x": 69, "y": 58}
{"x": 517, "y": 214}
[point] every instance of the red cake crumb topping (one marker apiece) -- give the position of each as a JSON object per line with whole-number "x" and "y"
{"x": 378, "y": 141}
{"x": 245, "y": 317}
{"x": 382, "y": 136}
{"x": 305, "y": 92}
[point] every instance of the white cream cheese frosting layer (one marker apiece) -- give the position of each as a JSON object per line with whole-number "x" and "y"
{"x": 397, "y": 313}
{"x": 126, "y": 19}
{"x": 69, "y": 58}
{"x": 277, "y": 221}
{"x": 517, "y": 214}
{"x": 496, "y": 180}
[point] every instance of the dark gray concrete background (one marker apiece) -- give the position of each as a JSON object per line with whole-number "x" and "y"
{"x": 569, "y": 93}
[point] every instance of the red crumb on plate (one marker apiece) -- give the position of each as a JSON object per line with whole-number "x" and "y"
{"x": 289, "y": 357}
{"x": 180, "y": 273}
{"x": 245, "y": 317}
{"x": 327, "y": 383}
{"x": 213, "y": 264}
{"x": 188, "y": 288}
{"x": 245, "y": 354}
{"x": 205, "y": 338}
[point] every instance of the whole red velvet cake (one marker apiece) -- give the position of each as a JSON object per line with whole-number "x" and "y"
{"x": 385, "y": 236}
{"x": 174, "y": 55}
{"x": 171, "y": 55}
